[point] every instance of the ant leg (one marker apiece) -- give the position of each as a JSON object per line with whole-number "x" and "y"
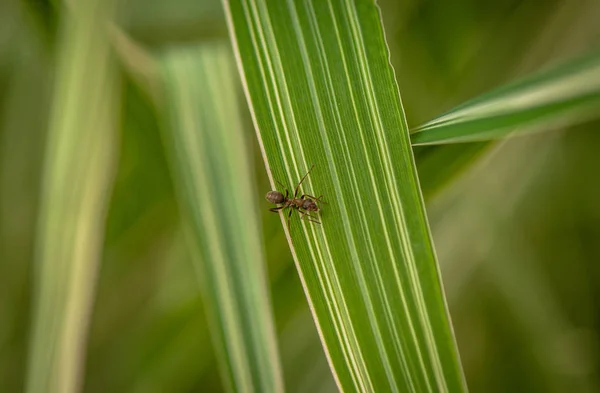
{"x": 303, "y": 216}
{"x": 289, "y": 218}
{"x": 311, "y": 219}
{"x": 317, "y": 199}
{"x": 298, "y": 186}
{"x": 276, "y": 209}
{"x": 305, "y": 213}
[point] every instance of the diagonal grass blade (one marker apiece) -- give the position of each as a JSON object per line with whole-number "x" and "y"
{"x": 557, "y": 97}
{"x": 213, "y": 181}
{"x": 79, "y": 166}
{"x": 322, "y": 92}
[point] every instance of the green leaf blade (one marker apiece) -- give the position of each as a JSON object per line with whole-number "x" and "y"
{"x": 211, "y": 167}
{"x": 79, "y": 166}
{"x": 561, "y": 96}
{"x": 322, "y": 92}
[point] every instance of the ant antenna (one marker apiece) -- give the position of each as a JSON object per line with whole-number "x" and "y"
{"x": 298, "y": 186}
{"x": 282, "y": 186}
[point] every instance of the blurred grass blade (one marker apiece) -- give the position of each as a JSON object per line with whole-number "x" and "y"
{"x": 79, "y": 163}
{"x": 214, "y": 182}
{"x": 439, "y": 165}
{"x": 322, "y": 92}
{"x": 557, "y": 97}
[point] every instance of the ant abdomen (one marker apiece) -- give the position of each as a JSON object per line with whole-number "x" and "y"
{"x": 275, "y": 197}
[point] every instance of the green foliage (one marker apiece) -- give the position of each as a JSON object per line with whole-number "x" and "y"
{"x": 211, "y": 166}
{"x": 120, "y": 185}
{"x": 78, "y": 167}
{"x": 322, "y": 92}
{"x": 551, "y": 99}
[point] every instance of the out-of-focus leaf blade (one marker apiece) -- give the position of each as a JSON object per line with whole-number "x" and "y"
{"x": 439, "y": 165}
{"x": 79, "y": 165}
{"x": 211, "y": 167}
{"x": 558, "y": 97}
{"x": 322, "y": 92}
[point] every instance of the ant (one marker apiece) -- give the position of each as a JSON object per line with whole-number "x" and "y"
{"x": 305, "y": 204}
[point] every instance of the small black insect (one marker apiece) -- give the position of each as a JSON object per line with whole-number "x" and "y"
{"x": 304, "y": 204}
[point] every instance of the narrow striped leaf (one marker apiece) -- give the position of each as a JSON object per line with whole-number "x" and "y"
{"x": 322, "y": 92}
{"x": 558, "y": 97}
{"x": 211, "y": 167}
{"x": 77, "y": 179}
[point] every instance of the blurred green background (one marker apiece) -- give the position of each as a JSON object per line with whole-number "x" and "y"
{"x": 517, "y": 230}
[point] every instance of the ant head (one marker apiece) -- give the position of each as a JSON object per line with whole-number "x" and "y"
{"x": 310, "y": 205}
